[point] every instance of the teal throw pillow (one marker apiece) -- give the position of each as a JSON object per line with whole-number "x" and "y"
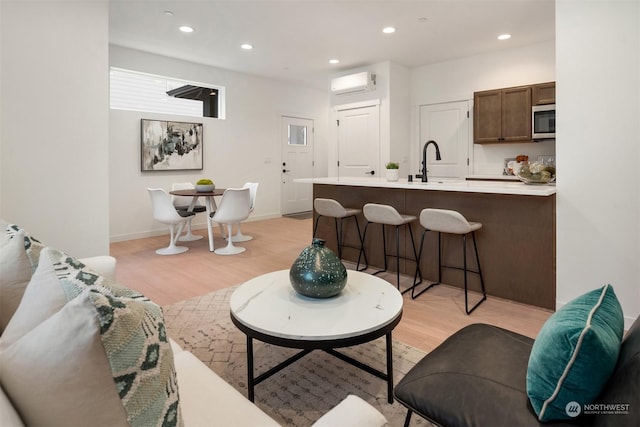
{"x": 574, "y": 355}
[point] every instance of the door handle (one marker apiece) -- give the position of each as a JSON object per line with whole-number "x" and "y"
{"x": 370, "y": 173}
{"x": 286, "y": 170}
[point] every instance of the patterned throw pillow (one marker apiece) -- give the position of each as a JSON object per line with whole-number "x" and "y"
{"x": 32, "y": 245}
{"x": 574, "y": 355}
{"x": 66, "y": 310}
{"x": 75, "y": 277}
{"x": 146, "y": 383}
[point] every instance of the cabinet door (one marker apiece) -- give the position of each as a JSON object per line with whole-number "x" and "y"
{"x": 516, "y": 114}
{"x": 487, "y": 116}
{"x": 544, "y": 93}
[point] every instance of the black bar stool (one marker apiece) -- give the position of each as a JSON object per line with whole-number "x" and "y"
{"x": 451, "y": 222}
{"x": 332, "y": 208}
{"x": 388, "y": 215}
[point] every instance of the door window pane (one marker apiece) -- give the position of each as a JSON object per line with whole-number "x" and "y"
{"x": 297, "y": 135}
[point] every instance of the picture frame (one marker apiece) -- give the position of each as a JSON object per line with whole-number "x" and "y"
{"x": 170, "y": 145}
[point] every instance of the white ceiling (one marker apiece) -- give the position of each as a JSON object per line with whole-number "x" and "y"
{"x": 293, "y": 40}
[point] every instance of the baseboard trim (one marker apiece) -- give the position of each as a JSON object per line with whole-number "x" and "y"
{"x": 161, "y": 231}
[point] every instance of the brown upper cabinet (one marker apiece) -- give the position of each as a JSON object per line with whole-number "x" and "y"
{"x": 502, "y": 115}
{"x": 544, "y": 93}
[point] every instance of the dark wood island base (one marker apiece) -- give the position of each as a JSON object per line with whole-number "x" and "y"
{"x": 516, "y": 243}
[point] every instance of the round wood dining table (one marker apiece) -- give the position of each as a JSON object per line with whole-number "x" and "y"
{"x": 209, "y": 203}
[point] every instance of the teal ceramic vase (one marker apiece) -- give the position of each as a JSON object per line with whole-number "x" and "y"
{"x": 318, "y": 272}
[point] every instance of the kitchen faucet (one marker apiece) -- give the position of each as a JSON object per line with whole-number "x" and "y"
{"x": 424, "y": 159}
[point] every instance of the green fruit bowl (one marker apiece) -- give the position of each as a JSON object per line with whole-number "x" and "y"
{"x": 205, "y": 188}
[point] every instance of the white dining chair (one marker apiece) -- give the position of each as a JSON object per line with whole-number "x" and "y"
{"x": 253, "y": 189}
{"x": 182, "y": 203}
{"x": 166, "y": 213}
{"x": 234, "y": 207}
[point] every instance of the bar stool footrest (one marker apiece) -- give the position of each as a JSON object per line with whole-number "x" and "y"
{"x": 414, "y": 296}
{"x": 460, "y": 268}
{"x": 484, "y": 298}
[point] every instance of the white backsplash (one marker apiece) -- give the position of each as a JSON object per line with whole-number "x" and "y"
{"x": 488, "y": 159}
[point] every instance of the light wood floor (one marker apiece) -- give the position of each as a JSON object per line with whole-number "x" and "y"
{"x": 426, "y": 321}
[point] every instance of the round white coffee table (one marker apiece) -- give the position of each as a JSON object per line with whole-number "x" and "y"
{"x": 268, "y": 309}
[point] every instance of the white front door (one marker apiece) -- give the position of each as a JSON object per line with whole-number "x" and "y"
{"x": 297, "y": 162}
{"x": 448, "y": 125}
{"x": 358, "y": 141}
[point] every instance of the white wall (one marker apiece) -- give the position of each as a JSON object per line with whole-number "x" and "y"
{"x": 457, "y": 80}
{"x": 379, "y": 95}
{"x": 54, "y": 134}
{"x": 400, "y": 116}
{"x": 245, "y": 146}
{"x": 598, "y": 99}
{"x": 392, "y": 95}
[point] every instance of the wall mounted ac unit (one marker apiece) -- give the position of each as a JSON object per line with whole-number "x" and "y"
{"x": 359, "y": 82}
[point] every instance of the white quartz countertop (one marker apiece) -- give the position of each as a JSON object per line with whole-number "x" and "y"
{"x": 441, "y": 184}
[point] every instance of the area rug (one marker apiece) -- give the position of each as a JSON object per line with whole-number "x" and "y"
{"x": 302, "y": 392}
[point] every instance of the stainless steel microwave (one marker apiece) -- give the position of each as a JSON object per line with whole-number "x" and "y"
{"x": 543, "y": 122}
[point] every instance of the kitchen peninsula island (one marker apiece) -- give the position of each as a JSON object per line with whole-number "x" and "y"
{"x": 516, "y": 243}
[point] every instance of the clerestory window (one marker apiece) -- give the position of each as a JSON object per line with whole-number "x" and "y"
{"x": 130, "y": 90}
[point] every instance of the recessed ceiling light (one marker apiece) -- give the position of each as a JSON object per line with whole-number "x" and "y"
{"x": 334, "y": 61}
{"x": 246, "y": 46}
{"x": 504, "y": 36}
{"x": 186, "y": 29}
{"x": 388, "y": 30}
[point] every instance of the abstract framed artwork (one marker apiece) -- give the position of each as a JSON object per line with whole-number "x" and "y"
{"x": 170, "y": 146}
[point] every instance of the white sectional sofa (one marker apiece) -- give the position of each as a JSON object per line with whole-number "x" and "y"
{"x": 208, "y": 400}
{"x": 48, "y": 378}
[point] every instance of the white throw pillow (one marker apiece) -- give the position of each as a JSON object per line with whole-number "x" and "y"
{"x": 77, "y": 337}
{"x": 58, "y": 374}
{"x": 15, "y": 273}
{"x": 42, "y": 298}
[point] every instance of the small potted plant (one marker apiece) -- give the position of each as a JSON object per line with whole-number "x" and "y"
{"x": 392, "y": 171}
